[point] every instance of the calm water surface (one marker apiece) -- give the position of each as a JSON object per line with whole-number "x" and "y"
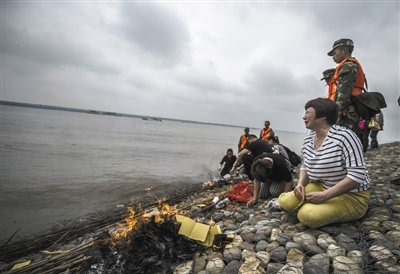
{"x": 58, "y": 165}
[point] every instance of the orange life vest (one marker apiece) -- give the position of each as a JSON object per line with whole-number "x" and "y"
{"x": 243, "y": 141}
{"x": 358, "y": 85}
{"x": 265, "y": 133}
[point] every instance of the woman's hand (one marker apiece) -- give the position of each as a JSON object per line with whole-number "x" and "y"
{"x": 344, "y": 186}
{"x": 299, "y": 191}
{"x": 317, "y": 197}
{"x": 252, "y": 202}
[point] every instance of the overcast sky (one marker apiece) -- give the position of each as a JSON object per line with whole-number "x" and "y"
{"x": 236, "y": 63}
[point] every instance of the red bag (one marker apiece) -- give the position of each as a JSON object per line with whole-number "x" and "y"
{"x": 241, "y": 192}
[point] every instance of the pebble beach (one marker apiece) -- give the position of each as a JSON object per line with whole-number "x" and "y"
{"x": 268, "y": 241}
{"x": 276, "y": 242}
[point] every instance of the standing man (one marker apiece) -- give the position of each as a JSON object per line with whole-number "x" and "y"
{"x": 251, "y": 151}
{"x": 348, "y": 80}
{"x": 266, "y": 131}
{"x": 244, "y": 139}
{"x": 374, "y": 132}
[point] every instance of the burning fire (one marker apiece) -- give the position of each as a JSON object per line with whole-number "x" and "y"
{"x": 208, "y": 183}
{"x": 131, "y": 222}
{"x": 160, "y": 213}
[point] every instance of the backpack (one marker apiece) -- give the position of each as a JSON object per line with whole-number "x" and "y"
{"x": 294, "y": 159}
{"x": 368, "y": 104}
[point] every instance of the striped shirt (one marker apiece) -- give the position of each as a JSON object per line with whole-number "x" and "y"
{"x": 339, "y": 155}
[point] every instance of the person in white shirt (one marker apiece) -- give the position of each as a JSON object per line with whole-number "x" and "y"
{"x": 333, "y": 182}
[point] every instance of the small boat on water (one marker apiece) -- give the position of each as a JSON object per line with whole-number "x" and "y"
{"x": 148, "y": 118}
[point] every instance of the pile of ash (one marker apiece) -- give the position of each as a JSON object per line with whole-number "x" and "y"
{"x": 153, "y": 247}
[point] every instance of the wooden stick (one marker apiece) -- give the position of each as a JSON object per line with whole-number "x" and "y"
{"x": 9, "y": 240}
{"x": 24, "y": 247}
{"x": 59, "y": 239}
{"x": 79, "y": 251}
{"x": 67, "y": 265}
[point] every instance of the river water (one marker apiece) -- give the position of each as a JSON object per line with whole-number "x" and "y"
{"x": 59, "y": 165}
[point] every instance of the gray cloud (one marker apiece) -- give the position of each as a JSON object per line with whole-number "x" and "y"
{"x": 233, "y": 63}
{"x": 155, "y": 30}
{"x": 51, "y": 35}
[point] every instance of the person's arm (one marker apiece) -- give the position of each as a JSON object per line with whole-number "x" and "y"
{"x": 343, "y": 187}
{"x": 221, "y": 163}
{"x": 240, "y": 142}
{"x": 238, "y": 160}
{"x": 301, "y": 184}
{"x": 254, "y": 200}
{"x": 345, "y": 85}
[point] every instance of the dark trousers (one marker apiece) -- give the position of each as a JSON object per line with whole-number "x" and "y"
{"x": 247, "y": 162}
{"x": 363, "y": 136}
{"x": 374, "y": 140}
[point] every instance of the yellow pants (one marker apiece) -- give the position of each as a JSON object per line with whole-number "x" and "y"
{"x": 343, "y": 208}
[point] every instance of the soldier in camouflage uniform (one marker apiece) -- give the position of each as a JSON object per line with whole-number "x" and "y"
{"x": 347, "y": 74}
{"x": 328, "y": 74}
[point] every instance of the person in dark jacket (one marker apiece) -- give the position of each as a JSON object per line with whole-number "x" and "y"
{"x": 252, "y": 150}
{"x": 227, "y": 162}
{"x": 271, "y": 177}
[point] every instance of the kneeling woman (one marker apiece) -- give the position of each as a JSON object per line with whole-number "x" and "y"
{"x": 333, "y": 181}
{"x": 271, "y": 176}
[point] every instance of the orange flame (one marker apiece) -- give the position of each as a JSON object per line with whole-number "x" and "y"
{"x": 131, "y": 222}
{"x": 162, "y": 212}
{"x": 208, "y": 183}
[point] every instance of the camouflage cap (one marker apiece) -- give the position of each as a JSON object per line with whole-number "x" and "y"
{"x": 339, "y": 43}
{"x": 328, "y": 73}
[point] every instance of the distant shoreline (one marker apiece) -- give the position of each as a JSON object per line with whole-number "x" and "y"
{"x": 144, "y": 117}
{"x": 119, "y": 114}
{"x": 100, "y": 112}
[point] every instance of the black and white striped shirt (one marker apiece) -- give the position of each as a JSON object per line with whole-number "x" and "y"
{"x": 340, "y": 155}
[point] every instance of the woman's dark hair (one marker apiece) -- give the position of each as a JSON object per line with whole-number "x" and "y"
{"x": 229, "y": 150}
{"x": 261, "y": 169}
{"x": 324, "y": 107}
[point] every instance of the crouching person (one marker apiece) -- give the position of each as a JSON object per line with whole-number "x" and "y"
{"x": 333, "y": 182}
{"x": 271, "y": 176}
